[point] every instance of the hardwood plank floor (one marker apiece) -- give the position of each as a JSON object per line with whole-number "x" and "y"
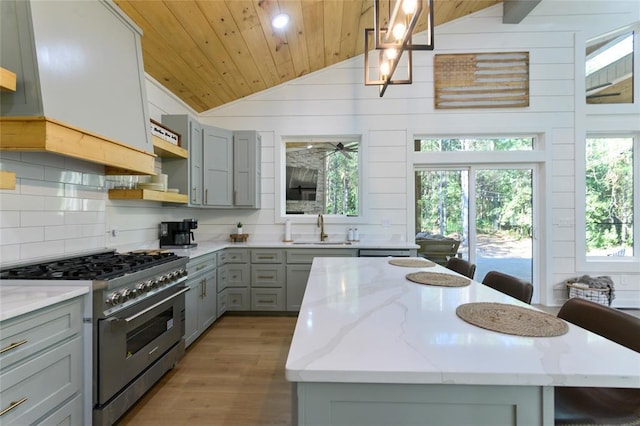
{"x": 233, "y": 375}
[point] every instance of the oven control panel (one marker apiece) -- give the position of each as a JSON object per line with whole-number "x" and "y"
{"x": 122, "y": 297}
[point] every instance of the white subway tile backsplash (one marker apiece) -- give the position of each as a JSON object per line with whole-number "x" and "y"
{"x": 23, "y": 170}
{"x": 82, "y": 191}
{"x": 62, "y": 232}
{"x": 43, "y": 159}
{"x": 21, "y": 235}
{"x": 41, "y": 249}
{"x": 53, "y": 174}
{"x": 17, "y": 202}
{"x": 9, "y": 219}
{"x": 62, "y": 203}
{"x": 39, "y": 187}
{"x": 83, "y": 245}
{"x": 9, "y": 253}
{"x": 41, "y": 218}
{"x": 93, "y": 205}
{"x": 83, "y": 218}
{"x": 90, "y": 179}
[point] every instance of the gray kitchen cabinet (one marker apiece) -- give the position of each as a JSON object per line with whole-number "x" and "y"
{"x": 217, "y": 163}
{"x": 186, "y": 174}
{"x": 268, "y": 280}
{"x": 247, "y": 171}
{"x": 234, "y": 278}
{"x": 223, "y": 168}
{"x": 79, "y": 63}
{"x": 297, "y": 271}
{"x": 201, "y": 299}
{"x": 41, "y": 366}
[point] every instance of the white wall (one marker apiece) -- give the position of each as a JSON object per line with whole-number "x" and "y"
{"x": 60, "y": 205}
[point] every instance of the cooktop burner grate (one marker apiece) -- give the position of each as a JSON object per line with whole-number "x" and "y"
{"x": 102, "y": 266}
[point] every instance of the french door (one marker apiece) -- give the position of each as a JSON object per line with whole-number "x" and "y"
{"x": 489, "y": 209}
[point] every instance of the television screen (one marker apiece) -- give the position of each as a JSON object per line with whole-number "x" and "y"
{"x": 301, "y": 183}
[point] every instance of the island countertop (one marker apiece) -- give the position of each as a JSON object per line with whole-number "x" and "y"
{"x": 362, "y": 321}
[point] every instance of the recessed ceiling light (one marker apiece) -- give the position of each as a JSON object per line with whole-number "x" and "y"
{"x": 280, "y": 21}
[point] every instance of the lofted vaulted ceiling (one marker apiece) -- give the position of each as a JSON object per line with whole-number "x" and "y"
{"x": 211, "y": 52}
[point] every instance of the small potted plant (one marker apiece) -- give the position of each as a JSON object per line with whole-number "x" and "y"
{"x": 239, "y": 228}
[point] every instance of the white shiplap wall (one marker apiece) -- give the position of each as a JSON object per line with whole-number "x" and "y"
{"x": 33, "y": 223}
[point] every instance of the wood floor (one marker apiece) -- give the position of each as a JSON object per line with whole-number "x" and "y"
{"x": 233, "y": 375}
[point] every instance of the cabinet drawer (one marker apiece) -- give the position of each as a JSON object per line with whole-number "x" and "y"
{"x": 267, "y": 256}
{"x": 201, "y": 264}
{"x": 233, "y": 256}
{"x": 267, "y": 299}
{"x": 46, "y": 381}
{"x": 267, "y": 275}
{"x": 26, "y": 335}
{"x": 69, "y": 414}
{"x": 236, "y": 275}
{"x": 238, "y": 299}
{"x": 222, "y": 302}
{"x": 307, "y": 255}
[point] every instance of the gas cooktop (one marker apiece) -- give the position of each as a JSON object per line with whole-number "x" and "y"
{"x": 100, "y": 266}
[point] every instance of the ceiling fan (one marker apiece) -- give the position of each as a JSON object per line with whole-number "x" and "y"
{"x": 343, "y": 149}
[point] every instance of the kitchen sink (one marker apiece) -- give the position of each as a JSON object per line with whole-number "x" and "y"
{"x": 323, "y": 243}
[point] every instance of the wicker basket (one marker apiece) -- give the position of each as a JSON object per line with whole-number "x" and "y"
{"x": 598, "y": 295}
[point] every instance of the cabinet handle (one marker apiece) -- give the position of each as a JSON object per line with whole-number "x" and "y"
{"x": 205, "y": 288}
{"x": 202, "y": 288}
{"x": 265, "y": 302}
{"x": 200, "y": 267}
{"x": 235, "y": 196}
{"x": 11, "y": 406}
{"x": 206, "y": 196}
{"x": 266, "y": 257}
{"x": 195, "y": 195}
{"x": 265, "y": 277}
{"x": 13, "y": 346}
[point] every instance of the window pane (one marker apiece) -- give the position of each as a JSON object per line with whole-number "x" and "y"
{"x": 609, "y": 70}
{"x": 609, "y": 190}
{"x": 474, "y": 144}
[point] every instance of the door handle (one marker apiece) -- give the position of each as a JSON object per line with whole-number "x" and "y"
{"x": 152, "y": 307}
{"x": 13, "y": 346}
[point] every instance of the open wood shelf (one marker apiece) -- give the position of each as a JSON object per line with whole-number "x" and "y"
{"x": 148, "y": 195}
{"x": 7, "y": 80}
{"x": 166, "y": 149}
{"x": 7, "y": 180}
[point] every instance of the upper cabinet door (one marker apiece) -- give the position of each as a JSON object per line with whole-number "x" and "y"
{"x": 247, "y": 169}
{"x": 78, "y": 62}
{"x": 217, "y": 163}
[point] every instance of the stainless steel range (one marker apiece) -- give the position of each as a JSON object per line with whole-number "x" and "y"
{"x": 138, "y": 319}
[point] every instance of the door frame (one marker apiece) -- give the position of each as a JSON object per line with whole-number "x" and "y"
{"x": 537, "y": 208}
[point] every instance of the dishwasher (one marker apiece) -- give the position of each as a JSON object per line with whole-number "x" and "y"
{"x": 384, "y": 253}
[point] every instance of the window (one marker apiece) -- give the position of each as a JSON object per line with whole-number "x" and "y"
{"x": 322, "y": 176}
{"x": 474, "y": 144}
{"x": 609, "y": 69}
{"x": 610, "y": 198}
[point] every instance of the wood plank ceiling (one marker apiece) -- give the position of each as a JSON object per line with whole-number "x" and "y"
{"x": 211, "y": 52}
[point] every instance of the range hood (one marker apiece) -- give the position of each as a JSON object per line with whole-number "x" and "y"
{"x": 80, "y": 88}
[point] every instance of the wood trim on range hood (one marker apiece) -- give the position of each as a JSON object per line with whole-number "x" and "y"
{"x": 49, "y": 135}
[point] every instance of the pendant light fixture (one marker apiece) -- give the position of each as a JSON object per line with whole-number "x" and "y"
{"x": 388, "y": 46}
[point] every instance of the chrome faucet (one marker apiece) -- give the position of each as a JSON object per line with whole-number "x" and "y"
{"x": 320, "y": 225}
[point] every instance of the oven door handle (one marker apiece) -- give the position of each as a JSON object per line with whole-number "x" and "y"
{"x": 150, "y": 308}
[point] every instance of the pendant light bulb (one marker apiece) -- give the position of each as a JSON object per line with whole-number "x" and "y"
{"x": 391, "y": 53}
{"x": 398, "y": 31}
{"x": 409, "y": 7}
{"x": 384, "y": 69}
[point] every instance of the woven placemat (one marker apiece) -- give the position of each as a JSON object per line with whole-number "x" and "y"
{"x": 439, "y": 279}
{"x": 512, "y": 319}
{"x": 412, "y": 262}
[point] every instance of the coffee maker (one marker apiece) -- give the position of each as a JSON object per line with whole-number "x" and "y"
{"x": 178, "y": 234}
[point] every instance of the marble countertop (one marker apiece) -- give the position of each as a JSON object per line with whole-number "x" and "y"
{"x": 17, "y": 300}
{"x": 361, "y": 321}
{"x": 206, "y": 247}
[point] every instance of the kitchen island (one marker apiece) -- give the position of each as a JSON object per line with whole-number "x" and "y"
{"x": 371, "y": 347}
